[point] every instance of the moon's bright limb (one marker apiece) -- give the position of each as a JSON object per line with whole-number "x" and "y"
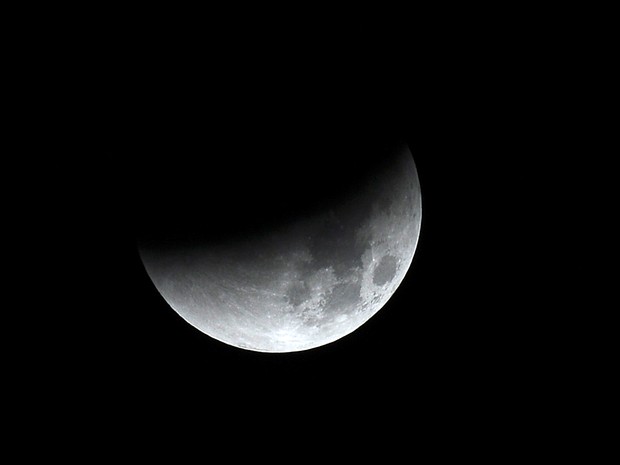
{"x": 305, "y": 284}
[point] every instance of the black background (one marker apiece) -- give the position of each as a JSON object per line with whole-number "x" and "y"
{"x": 485, "y": 348}
{"x": 167, "y": 108}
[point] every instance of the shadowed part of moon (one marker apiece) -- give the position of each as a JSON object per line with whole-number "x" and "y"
{"x": 304, "y": 282}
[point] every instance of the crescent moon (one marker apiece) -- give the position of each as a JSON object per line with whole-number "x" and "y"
{"x": 304, "y": 284}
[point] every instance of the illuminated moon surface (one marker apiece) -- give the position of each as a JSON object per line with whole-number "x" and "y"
{"x": 306, "y": 283}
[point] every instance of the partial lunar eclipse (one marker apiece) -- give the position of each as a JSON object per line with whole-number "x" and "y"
{"x": 306, "y": 283}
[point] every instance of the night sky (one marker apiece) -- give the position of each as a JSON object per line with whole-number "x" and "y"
{"x": 179, "y": 111}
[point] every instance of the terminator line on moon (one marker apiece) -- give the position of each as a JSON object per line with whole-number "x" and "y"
{"x": 306, "y": 284}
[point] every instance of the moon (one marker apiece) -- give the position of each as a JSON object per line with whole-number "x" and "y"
{"x": 305, "y": 282}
